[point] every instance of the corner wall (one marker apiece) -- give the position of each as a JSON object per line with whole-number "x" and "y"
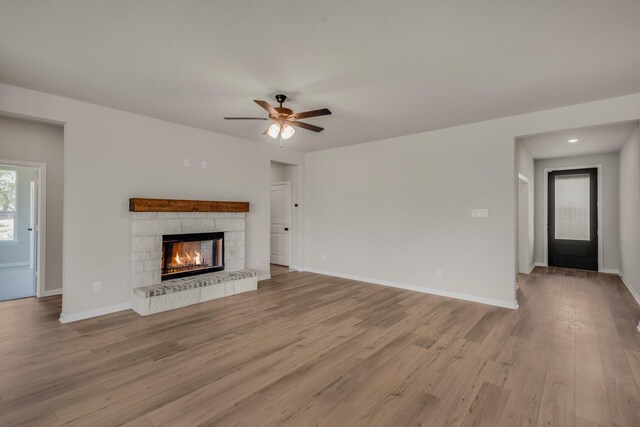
{"x": 30, "y": 141}
{"x": 630, "y": 212}
{"x": 525, "y": 165}
{"x": 610, "y": 234}
{"x": 110, "y": 156}
{"x": 395, "y": 211}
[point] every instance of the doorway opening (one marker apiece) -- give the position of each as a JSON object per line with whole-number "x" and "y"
{"x": 284, "y": 224}
{"x": 574, "y": 177}
{"x": 573, "y": 217}
{"x": 21, "y": 208}
{"x": 525, "y": 225}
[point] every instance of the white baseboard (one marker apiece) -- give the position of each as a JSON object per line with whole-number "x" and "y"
{"x": 14, "y": 264}
{"x": 530, "y": 269}
{"x": 604, "y": 270}
{"x": 633, "y": 292}
{"x": 265, "y": 276}
{"x": 489, "y": 301}
{"x": 93, "y": 313}
{"x": 296, "y": 268}
{"x": 50, "y": 293}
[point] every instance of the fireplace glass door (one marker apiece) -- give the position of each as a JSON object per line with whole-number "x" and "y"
{"x": 190, "y": 254}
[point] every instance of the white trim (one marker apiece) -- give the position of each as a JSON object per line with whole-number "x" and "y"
{"x": 541, "y": 264}
{"x": 531, "y": 217}
{"x": 610, "y": 271}
{"x": 42, "y": 219}
{"x": 296, "y": 268}
{"x": 466, "y": 297}
{"x": 51, "y": 293}
{"x": 262, "y": 277}
{"x": 633, "y": 292}
{"x": 14, "y": 264}
{"x": 546, "y": 211}
{"x": 94, "y": 313}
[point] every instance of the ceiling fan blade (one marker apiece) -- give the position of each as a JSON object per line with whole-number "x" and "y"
{"x": 314, "y": 113}
{"x": 246, "y": 118}
{"x": 264, "y": 104}
{"x": 306, "y": 126}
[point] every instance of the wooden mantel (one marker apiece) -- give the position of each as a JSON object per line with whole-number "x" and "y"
{"x": 169, "y": 205}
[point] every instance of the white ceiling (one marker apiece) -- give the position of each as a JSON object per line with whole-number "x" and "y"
{"x": 385, "y": 68}
{"x": 591, "y": 140}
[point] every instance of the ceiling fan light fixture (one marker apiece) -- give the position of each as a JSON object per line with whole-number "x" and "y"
{"x": 274, "y": 130}
{"x": 287, "y": 131}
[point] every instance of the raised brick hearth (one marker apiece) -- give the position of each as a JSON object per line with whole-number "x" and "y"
{"x": 146, "y": 258}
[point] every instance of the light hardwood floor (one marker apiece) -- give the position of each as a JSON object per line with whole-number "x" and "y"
{"x": 277, "y": 270}
{"x": 307, "y": 349}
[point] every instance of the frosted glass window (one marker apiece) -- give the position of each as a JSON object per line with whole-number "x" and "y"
{"x": 572, "y": 211}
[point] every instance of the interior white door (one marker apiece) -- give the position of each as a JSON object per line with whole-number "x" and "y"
{"x": 280, "y": 223}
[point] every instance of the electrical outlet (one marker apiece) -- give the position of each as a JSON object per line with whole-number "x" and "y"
{"x": 97, "y": 286}
{"x": 439, "y": 272}
{"x": 186, "y": 163}
{"x": 204, "y": 165}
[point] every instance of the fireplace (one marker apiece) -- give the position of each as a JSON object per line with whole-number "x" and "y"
{"x": 190, "y": 254}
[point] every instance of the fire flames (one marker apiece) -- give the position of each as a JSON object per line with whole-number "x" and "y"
{"x": 194, "y": 258}
{"x": 178, "y": 257}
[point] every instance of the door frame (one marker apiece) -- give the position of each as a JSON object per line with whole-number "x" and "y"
{"x": 291, "y": 231}
{"x": 42, "y": 209}
{"x": 530, "y": 223}
{"x": 599, "y": 208}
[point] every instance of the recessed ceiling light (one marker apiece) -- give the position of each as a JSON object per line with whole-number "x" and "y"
{"x": 573, "y": 140}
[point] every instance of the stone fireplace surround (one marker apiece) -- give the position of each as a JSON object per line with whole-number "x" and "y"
{"x": 147, "y": 230}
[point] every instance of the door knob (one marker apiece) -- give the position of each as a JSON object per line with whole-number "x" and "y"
{"x": 286, "y": 229}
{"x": 29, "y": 229}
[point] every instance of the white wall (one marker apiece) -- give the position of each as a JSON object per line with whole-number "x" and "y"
{"x": 110, "y": 156}
{"x": 29, "y": 141}
{"x": 524, "y": 162}
{"x": 394, "y": 211}
{"x": 280, "y": 172}
{"x": 630, "y": 212}
{"x": 610, "y": 234}
{"x": 19, "y": 253}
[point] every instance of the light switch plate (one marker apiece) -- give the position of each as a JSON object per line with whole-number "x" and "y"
{"x": 479, "y": 213}
{"x": 204, "y": 165}
{"x": 186, "y": 163}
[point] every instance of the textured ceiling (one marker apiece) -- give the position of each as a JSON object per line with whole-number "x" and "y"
{"x": 385, "y": 68}
{"x": 591, "y": 140}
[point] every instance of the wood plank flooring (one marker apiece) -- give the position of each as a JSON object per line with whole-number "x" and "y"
{"x": 307, "y": 349}
{"x": 277, "y": 270}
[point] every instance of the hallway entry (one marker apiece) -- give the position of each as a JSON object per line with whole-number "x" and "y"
{"x": 18, "y": 231}
{"x": 573, "y": 218}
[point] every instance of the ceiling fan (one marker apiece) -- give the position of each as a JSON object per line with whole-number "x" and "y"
{"x": 284, "y": 119}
